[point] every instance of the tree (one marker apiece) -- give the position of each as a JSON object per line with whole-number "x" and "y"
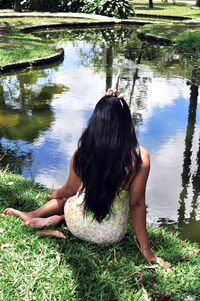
{"x": 151, "y": 3}
{"x": 17, "y": 6}
{"x": 198, "y": 3}
{"x": 36, "y": 5}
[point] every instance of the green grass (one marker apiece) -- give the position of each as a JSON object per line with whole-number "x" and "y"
{"x": 34, "y": 267}
{"x": 167, "y": 9}
{"x": 171, "y": 31}
{"x": 16, "y": 46}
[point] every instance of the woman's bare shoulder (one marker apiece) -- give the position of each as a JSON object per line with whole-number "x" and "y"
{"x": 145, "y": 157}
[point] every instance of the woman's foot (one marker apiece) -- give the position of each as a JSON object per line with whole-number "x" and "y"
{"x": 39, "y": 222}
{"x": 25, "y": 216}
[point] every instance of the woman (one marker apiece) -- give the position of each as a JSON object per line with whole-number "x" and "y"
{"x": 107, "y": 163}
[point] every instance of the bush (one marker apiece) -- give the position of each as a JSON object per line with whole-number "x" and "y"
{"x": 6, "y": 4}
{"x": 112, "y": 8}
{"x": 189, "y": 43}
{"x": 55, "y": 5}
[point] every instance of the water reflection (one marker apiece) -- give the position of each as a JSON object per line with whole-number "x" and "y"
{"x": 25, "y": 113}
{"x": 41, "y": 119}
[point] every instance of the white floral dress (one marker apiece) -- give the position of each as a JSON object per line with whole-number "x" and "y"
{"x": 85, "y": 227}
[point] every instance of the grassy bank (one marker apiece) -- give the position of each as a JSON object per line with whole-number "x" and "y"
{"x": 180, "y": 9}
{"x": 35, "y": 267}
{"x": 170, "y": 31}
{"x": 16, "y": 46}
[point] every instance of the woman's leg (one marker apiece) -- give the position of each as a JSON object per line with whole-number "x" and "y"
{"x": 52, "y": 207}
{"x": 39, "y": 222}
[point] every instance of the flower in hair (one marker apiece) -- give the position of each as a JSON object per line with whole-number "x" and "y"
{"x": 112, "y": 92}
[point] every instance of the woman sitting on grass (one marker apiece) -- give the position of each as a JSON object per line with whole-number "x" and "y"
{"x": 107, "y": 161}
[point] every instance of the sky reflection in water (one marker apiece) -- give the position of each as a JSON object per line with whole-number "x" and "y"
{"x": 160, "y": 107}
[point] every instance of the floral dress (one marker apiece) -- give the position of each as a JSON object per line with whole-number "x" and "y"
{"x": 85, "y": 227}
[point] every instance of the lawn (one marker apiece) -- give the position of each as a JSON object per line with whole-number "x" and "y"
{"x": 37, "y": 267}
{"x": 167, "y": 9}
{"x": 171, "y": 31}
{"x": 16, "y": 46}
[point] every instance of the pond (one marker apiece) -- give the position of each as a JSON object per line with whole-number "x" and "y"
{"x": 43, "y": 113}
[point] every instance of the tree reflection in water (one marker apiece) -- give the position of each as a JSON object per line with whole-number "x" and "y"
{"x": 25, "y": 113}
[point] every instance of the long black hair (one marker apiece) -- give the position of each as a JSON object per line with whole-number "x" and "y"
{"x": 106, "y": 150}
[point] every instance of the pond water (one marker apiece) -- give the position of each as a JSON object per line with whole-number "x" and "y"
{"x": 43, "y": 113}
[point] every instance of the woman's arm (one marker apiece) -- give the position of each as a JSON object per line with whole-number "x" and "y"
{"x": 70, "y": 187}
{"x": 138, "y": 207}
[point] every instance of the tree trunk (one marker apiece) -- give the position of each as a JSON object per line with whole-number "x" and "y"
{"x": 36, "y": 4}
{"x": 109, "y": 67}
{"x": 151, "y": 3}
{"x": 17, "y": 6}
{"x": 198, "y": 3}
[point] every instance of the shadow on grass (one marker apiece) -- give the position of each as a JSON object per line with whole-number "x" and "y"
{"x": 88, "y": 271}
{"x": 147, "y": 8}
{"x": 97, "y": 277}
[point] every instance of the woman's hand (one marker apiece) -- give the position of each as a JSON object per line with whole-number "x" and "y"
{"x": 149, "y": 255}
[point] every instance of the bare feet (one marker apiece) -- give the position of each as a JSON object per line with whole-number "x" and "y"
{"x": 25, "y": 216}
{"x": 31, "y": 220}
{"x": 39, "y": 222}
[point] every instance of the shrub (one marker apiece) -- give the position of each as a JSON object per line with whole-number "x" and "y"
{"x": 189, "y": 43}
{"x": 112, "y": 8}
{"x": 6, "y": 4}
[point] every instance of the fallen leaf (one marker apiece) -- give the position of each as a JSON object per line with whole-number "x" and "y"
{"x": 158, "y": 295}
{"x": 66, "y": 228}
{"x": 53, "y": 233}
{"x": 19, "y": 202}
{"x": 151, "y": 267}
{"x": 198, "y": 252}
{"x": 124, "y": 275}
{"x": 3, "y": 246}
{"x": 164, "y": 264}
{"x": 182, "y": 244}
{"x": 2, "y": 230}
{"x": 10, "y": 183}
{"x": 72, "y": 283}
{"x": 115, "y": 257}
{"x": 182, "y": 258}
{"x": 141, "y": 276}
{"x": 58, "y": 258}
